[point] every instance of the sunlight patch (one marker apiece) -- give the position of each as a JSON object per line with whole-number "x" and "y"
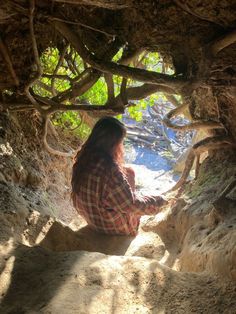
{"x": 6, "y": 149}
{"x": 5, "y": 276}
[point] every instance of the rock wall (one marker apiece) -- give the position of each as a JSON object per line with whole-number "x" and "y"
{"x": 31, "y": 178}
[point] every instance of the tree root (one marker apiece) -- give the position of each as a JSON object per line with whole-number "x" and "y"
{"x": 80, "y": 123}
{"x": 110, "y": 87}
{"x": 196, "y": 125}
{"x": 117, "y": 69}
{"x": 123, "y": 94}
{"x": 48, "y": 147}
{"x": 59, "y": 63}
{"x": 36, "y": 57}
{"x": 207, "y": 144}
{"x": 45, "y": 113}
{"x": 197, "y": 166}
{"x": 5, "y": 54}
{"x": 88, "y": 77}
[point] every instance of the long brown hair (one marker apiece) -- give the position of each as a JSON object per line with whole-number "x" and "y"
{"x": 104, "y": 143}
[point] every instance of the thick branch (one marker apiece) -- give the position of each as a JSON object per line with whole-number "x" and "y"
{"x": 46, "y": 87}
{"x": 223, "y": 42}
{"x": 111, "y": 67}
{"x": 146, "y": 90}
{"x": 106, "y": 4}
{"x": 140, "y": 92}
{"x": 196, "y": 125}
{"x": 36, "y": 57}
{"x": 53, "y": 106}
{"x": 173, "y": 100}
{"x": 81, "y": 87}
{"x": 89, "y": 76}
{"x": 59, "y": 63}
{"x": 130, "y": 56}
{"x": 16, "y": 106}
{"x": 123, "y": 94}
{"x": 92, "y": 108}
{"x": 70, "y": 63}
{"x": 49, "y": 148}
{"x": 58, "y": 76}
{"x": 110, "y": 87}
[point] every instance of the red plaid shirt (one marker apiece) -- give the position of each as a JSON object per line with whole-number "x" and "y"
{"x": 109, "y": 205}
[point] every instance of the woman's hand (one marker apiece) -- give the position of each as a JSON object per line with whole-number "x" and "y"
{"x": 160, "y": 201}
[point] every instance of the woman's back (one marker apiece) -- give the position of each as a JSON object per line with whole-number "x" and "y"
{"x": 94, "y": 200}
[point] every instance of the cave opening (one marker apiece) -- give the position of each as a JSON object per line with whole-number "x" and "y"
{"x": 166, "y": 69}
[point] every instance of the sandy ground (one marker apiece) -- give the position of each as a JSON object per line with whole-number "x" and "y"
{"x": 46, "y": 267}
{"x": 40, "y": 281}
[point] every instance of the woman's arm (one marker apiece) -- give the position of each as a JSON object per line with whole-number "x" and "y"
{"x": 119, "y": 196}
{"x": 130, "y": 175}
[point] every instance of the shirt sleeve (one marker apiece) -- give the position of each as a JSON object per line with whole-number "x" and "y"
{"x": 118, "y": 196}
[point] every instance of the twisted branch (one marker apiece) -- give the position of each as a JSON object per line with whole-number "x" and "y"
{"x": 59, "y": 63}
{"x": 49, "y": 106}
{"x": 36, "y": 57}
{"x": 123, "y": 94}
{"x": 80, "y": 123}
{"x": 48, "y": 147}
{"x": 88, "y": 77}
{"x": 140, "y": 92}
{"x": 111, "y": 67}
{"x": 207, "y": 144}
{"x": 196, "y": 125}
{"x": 110, "y": 87}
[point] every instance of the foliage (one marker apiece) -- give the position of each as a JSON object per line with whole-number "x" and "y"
{"x": 70, "y": 120}
{"x": 97, "y": 94}
{"x": 68, "y": 73}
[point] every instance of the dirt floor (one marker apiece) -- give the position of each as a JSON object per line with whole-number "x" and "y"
{"x": 36, "y": 279}
{"x": 183, "y": 260}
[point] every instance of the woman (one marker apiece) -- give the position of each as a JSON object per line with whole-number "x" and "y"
{"x": 103, "y": 188}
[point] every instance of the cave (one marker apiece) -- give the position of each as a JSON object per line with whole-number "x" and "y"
{"x": 52, "y": 55}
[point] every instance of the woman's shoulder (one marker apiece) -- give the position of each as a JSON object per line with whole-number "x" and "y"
{"x": 118, "y": 172}
{"x": 129, "y": 170}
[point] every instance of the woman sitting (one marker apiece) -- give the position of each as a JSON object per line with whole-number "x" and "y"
{"x": 103, "y": 188}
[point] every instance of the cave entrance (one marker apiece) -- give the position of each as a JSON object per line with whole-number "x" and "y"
{"x": 156, "y": 152}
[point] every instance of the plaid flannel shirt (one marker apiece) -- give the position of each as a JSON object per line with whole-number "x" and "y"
{"x": 108, "y": 203}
